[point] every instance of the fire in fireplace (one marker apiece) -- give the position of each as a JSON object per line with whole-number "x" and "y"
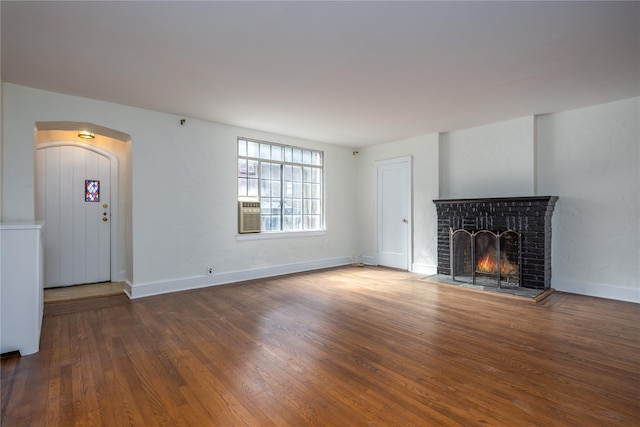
{"x": 487, "y": 257}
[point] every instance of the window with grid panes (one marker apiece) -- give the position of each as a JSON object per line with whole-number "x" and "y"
{"x": 288, "y": 182}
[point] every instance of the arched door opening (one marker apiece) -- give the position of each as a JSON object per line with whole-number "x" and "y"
{"x": 83, "y": 194}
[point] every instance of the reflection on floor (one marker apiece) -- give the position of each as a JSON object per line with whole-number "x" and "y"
{"x": 535, "y": 295}
{"x": 93, "y": 290}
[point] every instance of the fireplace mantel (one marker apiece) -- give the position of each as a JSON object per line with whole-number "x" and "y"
{"x": 528, "y": 215}
{"x": 500, "y": 199}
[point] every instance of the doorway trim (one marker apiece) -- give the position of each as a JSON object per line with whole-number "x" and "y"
{"x": 408, "y": 160}
{"x": 113, "y": 164}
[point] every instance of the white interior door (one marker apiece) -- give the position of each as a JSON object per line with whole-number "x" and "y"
{"x": 77, "y": 235}
{"x": 394, "y": 212}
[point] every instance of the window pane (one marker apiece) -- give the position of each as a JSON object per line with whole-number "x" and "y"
{"x": 242, "y": 167}
{"x": 242, "y": 187}
{"x": 296, "y": 205}
{"x": 273, "y": 223}
{"x": 253, "y": 149}
{"x": 252, "y": 168}
{"x": 306, "y": 157}
{"x": 265, "y": 151}
{"x": 275, "y": 171}
{"x": 312, "y": 175}
{"x": 265, "y": 188}
{"x": 91, "y": 191}
{"x": 311, "y": 222}
{"x": 242, "y": 147}
{"x": 252, "y": 187}
{"x": 266, "y": 222}
{"x": 287, "y": 172}
{"x": 288, "y": 154}
{"x": 315, "y": 191}
{"x": 275, "y": 188}
{"x": 316, "y": 158}
{"x": 287, "y": 206}
{"x": 297, "y": 190}
{"x": 297, "y": 173}
{"x": 292, "y": 222}
{"x": 275, "y": 206}
{"x": 276, "y": 152}
{"x": 265, "y": 170}
{"x": 312, "y": 206}
{"x": 297, "y": 155}
{"x": 286, "y": 222}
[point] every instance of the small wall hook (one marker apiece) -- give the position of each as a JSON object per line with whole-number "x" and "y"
{"x": 182, "y": 121}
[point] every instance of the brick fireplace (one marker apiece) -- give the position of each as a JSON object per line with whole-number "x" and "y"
{"x": 514, "y": 232}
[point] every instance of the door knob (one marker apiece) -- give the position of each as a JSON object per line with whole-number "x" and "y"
{"x": 105, "y": 219}
{"x": 404, "y": 220}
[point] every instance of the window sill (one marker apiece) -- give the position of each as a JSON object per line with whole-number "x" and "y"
{"x": 279, "y": 235}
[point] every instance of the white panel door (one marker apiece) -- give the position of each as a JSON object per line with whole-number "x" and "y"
{"x": 394, "y": 213}
{"x": 77, "y": 235}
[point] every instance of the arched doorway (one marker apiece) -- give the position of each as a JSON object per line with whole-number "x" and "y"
{"x": 85, "y": 233}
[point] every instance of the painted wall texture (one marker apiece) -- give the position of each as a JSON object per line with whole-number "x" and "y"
{"x": 588, "y": 157}
{"x": 591, "y": 158}
{"x": 183, "y": 187}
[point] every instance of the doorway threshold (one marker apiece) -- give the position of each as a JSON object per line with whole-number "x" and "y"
{"x": 76, "y": 292}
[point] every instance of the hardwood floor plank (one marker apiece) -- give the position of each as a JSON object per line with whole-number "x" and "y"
{"x": 346, "y": 346}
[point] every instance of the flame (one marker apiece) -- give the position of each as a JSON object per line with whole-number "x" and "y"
{"x": 488, "y": 264}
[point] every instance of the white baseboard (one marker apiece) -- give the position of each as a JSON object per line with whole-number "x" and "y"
{"x": 415, "y": 267}
{"x": 424, "y": 268}
{"x": 369, "y": 260}
{"x": 621, "y": 293}
{"x": 127, "y": 288}
{"x": 140, "y": 290}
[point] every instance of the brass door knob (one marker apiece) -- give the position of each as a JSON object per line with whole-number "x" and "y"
{"x": 105, "y": 219}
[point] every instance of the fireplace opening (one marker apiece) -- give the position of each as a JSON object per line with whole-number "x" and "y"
{"x": 486, "y": 257}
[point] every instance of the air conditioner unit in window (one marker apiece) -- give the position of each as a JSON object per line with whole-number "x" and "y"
{"x": 249, "y": 217}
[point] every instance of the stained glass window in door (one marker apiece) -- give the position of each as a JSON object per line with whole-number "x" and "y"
{"x": 91, "y": 191}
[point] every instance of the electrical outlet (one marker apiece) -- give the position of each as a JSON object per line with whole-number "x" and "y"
{"x": 210, "y": 270}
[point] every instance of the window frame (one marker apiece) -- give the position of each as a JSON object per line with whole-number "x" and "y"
{"x": 257, "y": 160}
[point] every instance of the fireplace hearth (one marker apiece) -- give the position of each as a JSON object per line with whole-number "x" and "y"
{"x": 501, "y": 243}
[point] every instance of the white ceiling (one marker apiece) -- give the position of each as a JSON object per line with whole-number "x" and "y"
{"x": 351, "y": 73}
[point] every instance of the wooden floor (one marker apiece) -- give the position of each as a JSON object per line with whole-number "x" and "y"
{"x": 341, "y": 347}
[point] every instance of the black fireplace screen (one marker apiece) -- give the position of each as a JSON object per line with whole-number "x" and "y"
{"x": 486, "y": 257}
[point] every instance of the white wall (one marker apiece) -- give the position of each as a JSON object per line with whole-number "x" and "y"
{"x": 495, "y": 160}
{"x": 184, "y": 209}
{"x": 184, "y": 195}
{"x": 591, "y": 158}
{"x": 1, "y": 146}
{"x": 424, "y": 153}
{"x": 588, "y": 157}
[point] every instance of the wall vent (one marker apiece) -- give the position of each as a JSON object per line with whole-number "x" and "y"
{"x": 249, "y": 217}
